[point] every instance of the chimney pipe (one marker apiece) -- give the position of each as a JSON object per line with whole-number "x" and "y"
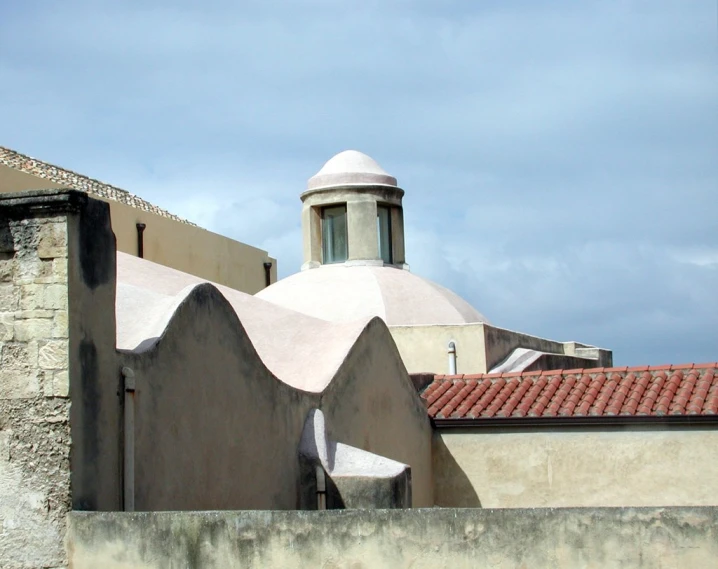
{"x": 140, "y": 240}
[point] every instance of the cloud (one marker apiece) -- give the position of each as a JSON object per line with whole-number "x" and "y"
{"x": 559, "y": 158}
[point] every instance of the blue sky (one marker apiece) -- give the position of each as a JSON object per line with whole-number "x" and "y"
{"x": 560, "y": 158}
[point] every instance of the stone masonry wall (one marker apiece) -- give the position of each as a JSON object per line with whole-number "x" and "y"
{"x": 34, "y": 388}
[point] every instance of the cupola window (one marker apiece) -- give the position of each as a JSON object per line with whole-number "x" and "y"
{"x": 383, "y": 228}
{"x": 334, "y": 234}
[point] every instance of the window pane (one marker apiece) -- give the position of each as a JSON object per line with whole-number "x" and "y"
{"x": 383, "y": 227}
{"x": 334, "y": 234}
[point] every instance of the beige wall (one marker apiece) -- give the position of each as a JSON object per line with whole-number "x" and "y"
{"x": 215, "y": 430}
{"x": 361, "y": 205}
{"x": 651, "y": 538}
{"x": 424, "y": 348}
{"x": 479, "y": 347}
{"x": 372, "y": 404}
{"x": 576, "y": 468}
{"x": 168, "y": 242}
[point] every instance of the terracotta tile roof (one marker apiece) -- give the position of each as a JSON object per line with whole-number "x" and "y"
{"x": 689, "y": 389}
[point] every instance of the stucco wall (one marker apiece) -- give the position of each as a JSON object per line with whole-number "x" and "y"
{"x": 424, "y": 348}
{"x": 399, "y": 539}
{"x": 215, "y": 430}
{"x": 571, "y": 468}
{"x": 479, "y": 348}
{"x": 170, "y": 242}
{"x": 372, "y": 404}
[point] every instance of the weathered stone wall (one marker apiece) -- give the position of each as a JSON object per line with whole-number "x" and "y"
{"x": 600, "y": 538}
{"x": 34, "y": 389}
{"x": 57, "y": 346}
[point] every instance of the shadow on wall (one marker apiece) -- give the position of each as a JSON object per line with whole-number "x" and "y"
{"x": 452, "y": 487}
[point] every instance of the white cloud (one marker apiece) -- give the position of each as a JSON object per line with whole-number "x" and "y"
{"x": 558, "y": 157}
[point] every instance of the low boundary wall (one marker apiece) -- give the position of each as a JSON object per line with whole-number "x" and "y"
{"x": 570, "y": 538}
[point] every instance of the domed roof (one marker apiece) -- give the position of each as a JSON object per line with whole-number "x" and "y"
{"x": 350, "y": 168}
{"x": 342, "y": 293}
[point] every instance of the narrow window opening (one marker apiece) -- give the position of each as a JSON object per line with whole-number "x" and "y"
{"x": 383, "y": 228}
{"x": 334, "y": 234}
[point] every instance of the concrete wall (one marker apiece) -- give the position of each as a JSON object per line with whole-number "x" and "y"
{"x": 399, "y": 539}
{"x": 170, "y": 242}
{"x": 479, "y": 348}
{"x": 215, "y": 430}
{"x": 576, "y": 468}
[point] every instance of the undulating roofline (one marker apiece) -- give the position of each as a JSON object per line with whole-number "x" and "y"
{"x": 68, "y": 178}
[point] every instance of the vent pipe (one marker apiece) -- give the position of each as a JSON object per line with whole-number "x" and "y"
{"x": 267, "y": 274}
{"x": 140, "y": 240}
{"x": 452, "y": 357}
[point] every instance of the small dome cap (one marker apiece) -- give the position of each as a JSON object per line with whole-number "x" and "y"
{"x": 351, "y": 168}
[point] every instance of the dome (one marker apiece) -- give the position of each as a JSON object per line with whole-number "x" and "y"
{"x": 342, "y": 293}
{"x": 350, "y": 168}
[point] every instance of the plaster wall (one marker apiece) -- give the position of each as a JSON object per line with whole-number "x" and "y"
{"x": 371, "y": 404}
{"x": 576, "y": 468}
{"x": 592, "y": 538}
{"x": 479, "y": 348}
{"x": 361, "y": 204}
{"x": 169, "y": 242}
{"x": 216, "y": 430}
{"x": 424, "y": 348}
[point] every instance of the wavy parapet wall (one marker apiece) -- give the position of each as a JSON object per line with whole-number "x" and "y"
{"x": 225, "y": 382}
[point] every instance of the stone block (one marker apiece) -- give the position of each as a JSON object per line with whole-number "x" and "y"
{"x": 52, "y": 241}
{"x": 7, "y": 330}
{"x": 60, "y": 326}
{"x": 19, "y": 356}
{"x": 32, "y": 270}
{"x": 33, "y": 329}
{"x": 39, "y": 313}
{"x": 59, "y": 270}
{"x": 9, "y": 297}
{"x": 55, "y": 297}
{"x": 32, "y": 296}
{"x": 7, "y": 267}
{"x": 19, "y": 383}
{"x": 53, "y": 354}
{"x": 61, "y": 384}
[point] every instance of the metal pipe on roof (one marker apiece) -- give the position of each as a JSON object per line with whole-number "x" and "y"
{"x": 128, "y": 482}
{"x": 140, "y": 239}
{"x": 452, "y": 357}
{"x": 321, "y": 488}
{"x": 267, "y": 274}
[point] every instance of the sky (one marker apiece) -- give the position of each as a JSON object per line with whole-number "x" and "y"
{"x": 560, "y": 158}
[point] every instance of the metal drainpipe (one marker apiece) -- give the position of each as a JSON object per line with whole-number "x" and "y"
{"x": 129, "y": 440}
{"x": 321, "y": 488}
{"x": 140, "y": 240}
{"x": 267, "y": 274}
{"x": 452, "y": 357}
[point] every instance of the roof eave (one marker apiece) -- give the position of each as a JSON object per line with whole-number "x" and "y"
{"x": 585, "y": 421}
